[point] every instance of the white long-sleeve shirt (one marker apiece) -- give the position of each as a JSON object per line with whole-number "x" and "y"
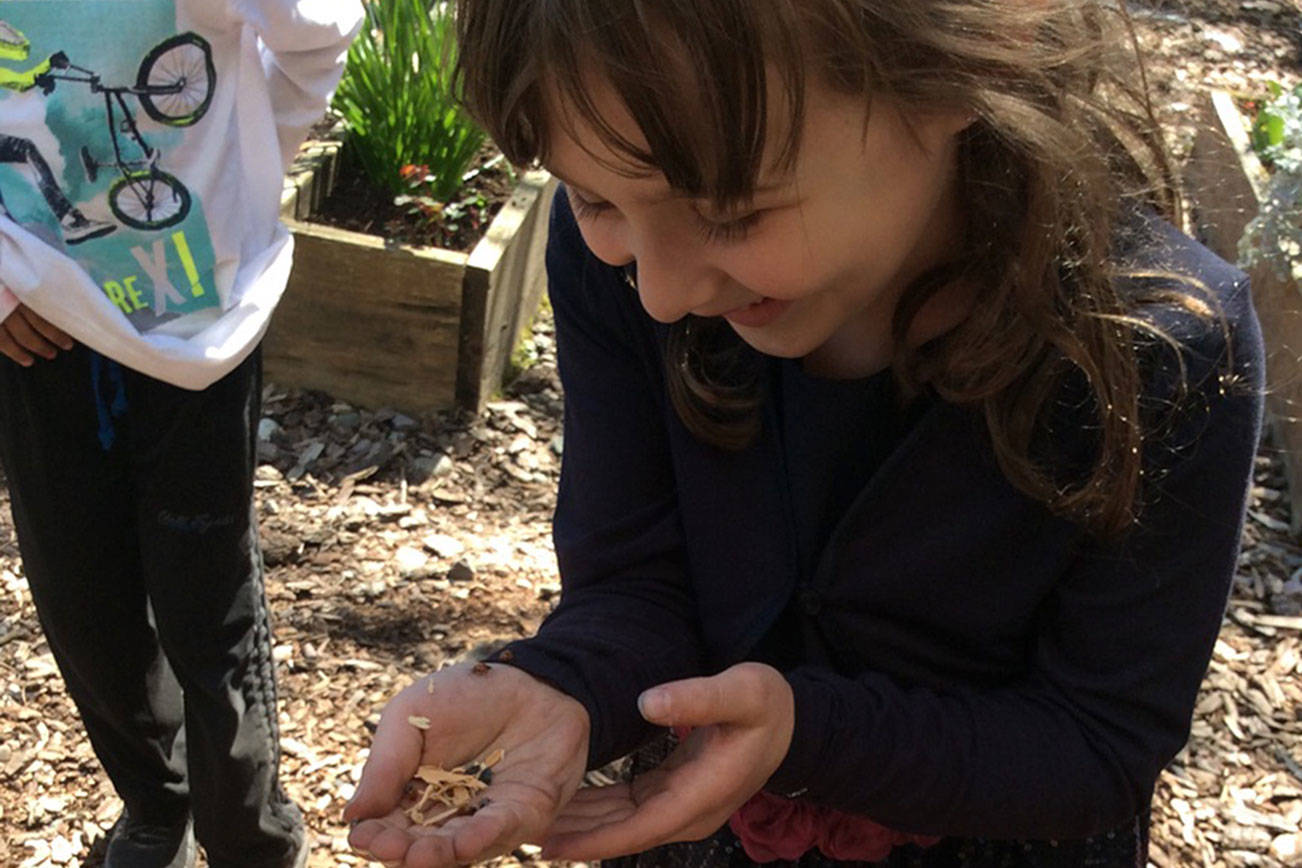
{"x": 209, "y": 100}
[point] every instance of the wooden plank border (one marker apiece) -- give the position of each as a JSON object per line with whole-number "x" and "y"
{"x": 1226, "y": 183}
{"x": 443, "y": 335}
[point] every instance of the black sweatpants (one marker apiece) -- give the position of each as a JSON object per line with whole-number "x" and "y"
{"x": 133, "y": 504}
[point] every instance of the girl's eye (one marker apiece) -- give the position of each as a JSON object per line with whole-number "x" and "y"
{"x": 726, "y": 231}
{"x": 584, "y": 209}
{"x": 713, "y": 230}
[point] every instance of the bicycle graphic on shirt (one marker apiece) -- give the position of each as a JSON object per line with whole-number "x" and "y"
{"x": 175, "y": 87}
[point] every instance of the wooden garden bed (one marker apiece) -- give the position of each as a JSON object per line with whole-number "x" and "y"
{"x": 417, "y": 329}
{"x": 1226, "y": 181}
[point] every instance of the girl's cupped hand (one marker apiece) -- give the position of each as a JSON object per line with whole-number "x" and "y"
{"x": 741, "y": 720}
{"x": 472, "y": 711}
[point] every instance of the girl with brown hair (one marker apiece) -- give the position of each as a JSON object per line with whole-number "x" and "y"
{"x": 906, "y": 443}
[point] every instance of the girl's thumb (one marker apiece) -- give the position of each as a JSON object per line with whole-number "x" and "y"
{"x": 384, "y": 778}
{"x": 656, "y": 704}
{"x": 364, "y": 805}
{"x": 692, "y": 702}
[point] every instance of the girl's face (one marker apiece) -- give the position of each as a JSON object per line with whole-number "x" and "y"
{"x": 815, "y": 266}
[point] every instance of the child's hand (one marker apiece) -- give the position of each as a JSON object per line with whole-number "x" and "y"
{"x": 25, "y": 332}
{"x": 471, "y": 711}
{"x": 743, "y": 721}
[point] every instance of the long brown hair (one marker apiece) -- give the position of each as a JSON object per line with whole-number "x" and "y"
{"x": 1062, "y": 149}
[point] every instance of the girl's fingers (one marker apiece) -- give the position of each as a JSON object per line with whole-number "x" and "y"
{"x": 365, "y": 831}
{"x": 492, "y": 830}
{"x": 571, "y": 824}
{"x": 659, "y": 820}
{"x": 591, "y": 801}
{"x": 48, "y": 330}
{"x": 431, "y": 851}
{"x": 391, "y": 840}
{"x": 381, "y": 842}
{"x": 592, "y": 807}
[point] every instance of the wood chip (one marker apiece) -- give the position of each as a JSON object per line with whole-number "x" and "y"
{"x": 436, "y": 795}
{"x": 419, "y": 722}
{"x": 1278, "y": 621}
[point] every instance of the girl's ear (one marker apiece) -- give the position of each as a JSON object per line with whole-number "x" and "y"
{"x": 951, "y": 122}
{"x": 935, "y": 129}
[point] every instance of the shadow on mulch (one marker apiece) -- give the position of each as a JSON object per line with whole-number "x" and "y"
{"x": 390, "y": 631}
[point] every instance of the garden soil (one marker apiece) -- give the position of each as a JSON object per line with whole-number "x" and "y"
{"x": 396, "y": 545}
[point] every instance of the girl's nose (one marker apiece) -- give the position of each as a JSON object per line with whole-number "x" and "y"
{"x": 671, "y": 282}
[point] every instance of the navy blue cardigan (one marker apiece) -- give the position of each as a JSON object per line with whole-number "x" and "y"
{"x": 987, "y": 669}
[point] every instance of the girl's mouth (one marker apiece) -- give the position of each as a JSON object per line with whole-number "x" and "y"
{"x": 759, "y": 314}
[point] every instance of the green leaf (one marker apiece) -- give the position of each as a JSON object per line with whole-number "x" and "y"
{"x": 397, "y": 99}
{"x": 1268, "y": 131}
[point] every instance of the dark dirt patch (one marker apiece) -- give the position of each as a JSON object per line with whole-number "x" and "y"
{"x": 358, "y": 205}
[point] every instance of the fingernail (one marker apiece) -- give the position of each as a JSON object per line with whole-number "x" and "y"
{"x": 654, "y": 704}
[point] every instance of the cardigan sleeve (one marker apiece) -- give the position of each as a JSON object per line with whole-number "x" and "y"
{"x": 626, "y": 618}
{"x": 1074, "y": 746}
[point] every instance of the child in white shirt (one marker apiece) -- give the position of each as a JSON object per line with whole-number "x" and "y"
{"x": 141, "y": 257}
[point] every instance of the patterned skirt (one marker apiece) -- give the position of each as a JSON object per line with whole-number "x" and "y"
{"x": 1125, "y": 847}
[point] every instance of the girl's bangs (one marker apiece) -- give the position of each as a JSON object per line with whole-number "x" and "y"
{"x": 706, "y": 84}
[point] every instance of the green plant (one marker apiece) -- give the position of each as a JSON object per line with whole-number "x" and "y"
{"x": 424, "y": 205}
{"x": 398, "y": 102}
{"x": 525, "y": 355}
{"x": 1275, "y": 234}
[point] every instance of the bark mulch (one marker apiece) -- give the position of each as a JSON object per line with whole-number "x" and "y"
{"x": 395, "y": 544}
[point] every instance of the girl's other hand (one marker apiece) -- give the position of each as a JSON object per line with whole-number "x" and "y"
{"x": 742, "y": 723}
{"x": 472, "y": 710}
{"x": 25, "y": 332}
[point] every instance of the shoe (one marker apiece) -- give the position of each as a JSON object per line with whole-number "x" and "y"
{"x": 11, "y": 38}
{"x": 78, "y": 228}
{"x": 139, "y": 845}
